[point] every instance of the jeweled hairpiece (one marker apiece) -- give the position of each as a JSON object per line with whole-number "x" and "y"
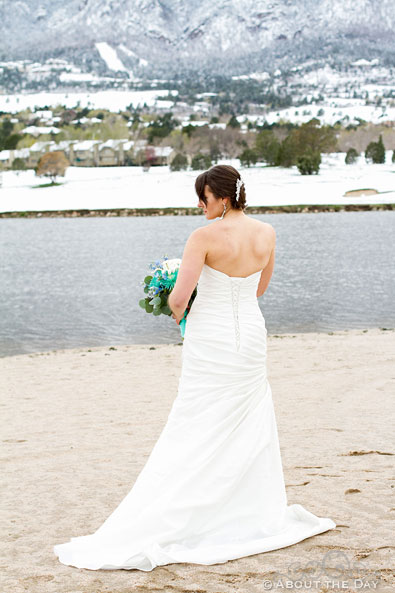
{"x": 239, "y": 183}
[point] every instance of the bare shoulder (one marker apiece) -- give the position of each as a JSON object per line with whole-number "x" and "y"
{"x": 210, "y": 230}
{"x": 270, "y": 229}
{"x": 199, "y": 235}
{"x": 266, "y": 228}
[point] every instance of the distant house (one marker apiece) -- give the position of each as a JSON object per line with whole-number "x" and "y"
{"x": 193, "y": 122}
{"x": 365, "y": 64}
{"x": 36, "y": 151}
{"x": 139, "y": 144}
{"x": 86, "y": 153}
{"x": 38, "y": 130}
{"x": 22, "y": 154}
{"x": 134, "y": 150}
{"x": 65, "y": 146}
{"x": 129, "y": 147}
{"x": 154, "y": 155}
{"x": 6, "y": 158}
{"x": 202, "y": 106}
{"x": 111, "y": 153}
{"x": 44, "y": 114}
{"x": 219, "y": 126}
{"x": 163, "y": 154}
{"x": 86, "y": 120}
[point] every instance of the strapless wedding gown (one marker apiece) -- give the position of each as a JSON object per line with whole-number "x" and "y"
{"x": 212, "y": 489}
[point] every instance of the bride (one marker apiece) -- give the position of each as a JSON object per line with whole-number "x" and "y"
{"x": 213, "y": 488}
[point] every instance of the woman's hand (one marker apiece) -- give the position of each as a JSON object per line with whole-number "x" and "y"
{"x": 174, "y": 317}
{"x": 182, "y": 316}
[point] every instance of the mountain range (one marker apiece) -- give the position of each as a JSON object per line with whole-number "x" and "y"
{"x": 169, "y": 38}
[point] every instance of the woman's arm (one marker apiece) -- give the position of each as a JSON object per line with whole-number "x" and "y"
{"x": 268, "y": 270}
{"x": 193, "y": 258}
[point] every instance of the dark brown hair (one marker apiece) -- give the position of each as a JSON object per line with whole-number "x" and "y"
{"x": 221, "y": 180}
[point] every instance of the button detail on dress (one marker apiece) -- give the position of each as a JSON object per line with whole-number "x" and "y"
{"x": 235, "y": 288}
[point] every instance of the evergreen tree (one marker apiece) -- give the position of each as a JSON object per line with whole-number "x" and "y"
{"x": 248, "y": 157}
{"x": 200, "y": 162}
{"x": 380, "y": 151}
{"x": 308, "y": 139}
{"x": 375, "y": 152}
{"x": 315, "y": 137}
{"x": 188, "y": 130}
{"x": 11, "y": 142}
{"x": 6, "y": 127}
{"x": 351, "y": 156}
{"x": 309, "y": 163}
{"x": 233, "y": 123}
{"x": 8, "y": 140}
{"x": 370, "y": 152}
{"x": 162, "y": 126}
{"x": 180, "y": 162}
{"x": 288, "y": 152}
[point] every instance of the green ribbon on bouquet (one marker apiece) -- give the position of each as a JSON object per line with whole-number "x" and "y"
{"x": 183, "y": 323}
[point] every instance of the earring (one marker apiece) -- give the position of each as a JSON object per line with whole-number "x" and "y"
{"x": 223, "y": 213}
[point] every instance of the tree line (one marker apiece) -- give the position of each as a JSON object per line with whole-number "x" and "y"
{"x": 283, "y": 144}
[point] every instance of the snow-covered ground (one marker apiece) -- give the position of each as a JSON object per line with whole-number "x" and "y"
{"x": 113, "y": 100}
{"x": 130, "y": 187}
{"x": 329, "y": 112}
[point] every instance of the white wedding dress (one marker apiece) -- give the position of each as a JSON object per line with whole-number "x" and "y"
{"x": 212, "y": 489}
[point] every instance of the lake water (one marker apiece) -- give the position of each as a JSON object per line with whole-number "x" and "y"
{"x": 73, "y": 282}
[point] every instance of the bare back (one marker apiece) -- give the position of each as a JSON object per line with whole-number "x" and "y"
{"x": 239, "y": 246}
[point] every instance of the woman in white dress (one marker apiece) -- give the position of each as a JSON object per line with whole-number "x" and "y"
{"x": 213, "y": 488}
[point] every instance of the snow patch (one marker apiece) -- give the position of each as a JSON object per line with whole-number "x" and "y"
{"x": 110, "y": 56}
{"x": 112, "y": 100}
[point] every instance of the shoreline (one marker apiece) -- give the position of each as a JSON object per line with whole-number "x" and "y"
{"x": 158, "y": 345}
{"x": 194, "y": 211}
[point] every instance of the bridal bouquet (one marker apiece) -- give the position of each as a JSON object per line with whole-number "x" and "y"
{"x": 159, "y": 285}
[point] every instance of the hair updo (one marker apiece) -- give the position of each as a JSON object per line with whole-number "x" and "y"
{"x": 221, "y": 180}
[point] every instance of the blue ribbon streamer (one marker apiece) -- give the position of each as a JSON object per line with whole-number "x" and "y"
{"x": 183, "y": 323}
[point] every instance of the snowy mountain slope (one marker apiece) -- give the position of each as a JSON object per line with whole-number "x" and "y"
{"x": 173, "y": 35}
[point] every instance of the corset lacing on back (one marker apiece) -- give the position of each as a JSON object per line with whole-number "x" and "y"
{"x": 235, "y": 288}
{"x": 219, "y": 294}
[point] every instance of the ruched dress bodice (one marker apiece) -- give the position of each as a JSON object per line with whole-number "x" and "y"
{"x": 227, "y": 300}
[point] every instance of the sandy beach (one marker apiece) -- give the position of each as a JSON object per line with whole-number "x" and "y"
{"x": 78, "y": 426}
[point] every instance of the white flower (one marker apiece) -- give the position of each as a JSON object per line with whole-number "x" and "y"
{"x": 171, "y": 265}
